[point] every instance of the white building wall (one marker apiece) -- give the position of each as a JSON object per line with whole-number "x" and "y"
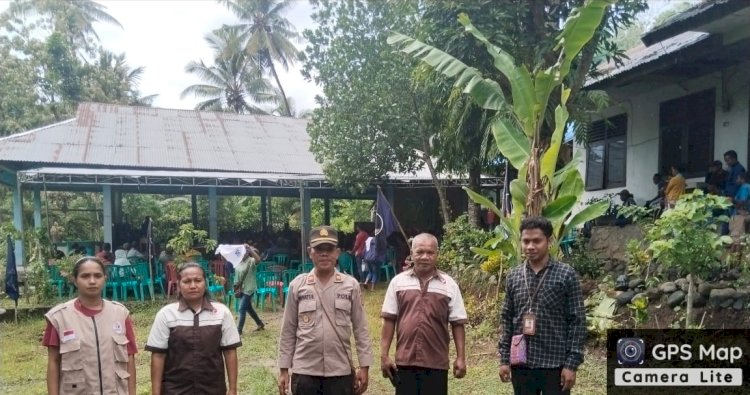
{"x": 642, "y": 160}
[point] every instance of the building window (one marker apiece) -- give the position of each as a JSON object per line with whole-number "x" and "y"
{"x": 605, "y": 156}
{"x": 686, "y": 132}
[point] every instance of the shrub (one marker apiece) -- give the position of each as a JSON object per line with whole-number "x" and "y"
{"x": 587, "y": 265}
{"x": 458, "y": 239}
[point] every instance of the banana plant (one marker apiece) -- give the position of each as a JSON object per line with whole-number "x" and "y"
{"x": 541, "y": 188}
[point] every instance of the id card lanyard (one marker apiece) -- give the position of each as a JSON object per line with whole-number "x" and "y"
{"x": 529, "y": 318}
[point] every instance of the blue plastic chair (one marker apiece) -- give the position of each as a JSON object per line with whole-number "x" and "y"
{"x": 387, "y": 269}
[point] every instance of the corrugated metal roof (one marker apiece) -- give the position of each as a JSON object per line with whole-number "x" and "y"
{"x": 155, "y": 138}
{"x": 641, "y": 55}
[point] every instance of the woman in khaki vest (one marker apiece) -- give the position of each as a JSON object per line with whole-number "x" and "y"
{"x": 90, "y": 341}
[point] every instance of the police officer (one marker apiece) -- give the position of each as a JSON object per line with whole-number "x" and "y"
{"x": 323, "y": 308}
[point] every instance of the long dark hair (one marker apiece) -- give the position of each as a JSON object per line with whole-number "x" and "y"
{"x": 81, "y": 261}
{"x": 190, "y": 265}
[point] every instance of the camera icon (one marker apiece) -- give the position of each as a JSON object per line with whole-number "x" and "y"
{"x": 631, "y": 351}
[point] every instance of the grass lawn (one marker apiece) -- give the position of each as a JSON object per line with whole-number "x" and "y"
{"x": 23, "y": 361}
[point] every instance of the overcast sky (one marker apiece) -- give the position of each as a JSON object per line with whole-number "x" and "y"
{"x": 163, "y": 36}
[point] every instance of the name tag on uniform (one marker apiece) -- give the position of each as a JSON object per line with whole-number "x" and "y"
{"x": 529, "y": 324}
{"x": 68, "y": 335}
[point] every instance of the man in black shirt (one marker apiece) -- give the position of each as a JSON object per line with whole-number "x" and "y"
{"x": 543, "y": 302}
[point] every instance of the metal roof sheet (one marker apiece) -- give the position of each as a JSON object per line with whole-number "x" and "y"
{"x": 641, "y": 55}
{"x": 156, "y": 138}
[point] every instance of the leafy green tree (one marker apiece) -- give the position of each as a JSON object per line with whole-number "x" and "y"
{"x": 371, "y": 120}
{"x": 51, "y": 60}
{"x": 542, "y": 188}
{"x": 74, "y": 20}
{"x": 235, "y": 82}
{"x": 267, "y": 34}
{"x": 687, "y": 237}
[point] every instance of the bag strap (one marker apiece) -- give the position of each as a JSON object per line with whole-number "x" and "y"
{"x": 328, "y": 318}
{"x": 244, "y": 274}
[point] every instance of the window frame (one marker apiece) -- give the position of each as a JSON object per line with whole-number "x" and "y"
{"x": 610, "y": 132}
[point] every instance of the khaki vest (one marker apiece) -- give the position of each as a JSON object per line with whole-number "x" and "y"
{"x": 93, "y": 350}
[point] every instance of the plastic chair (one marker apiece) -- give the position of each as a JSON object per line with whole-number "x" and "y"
{"x": 213, "y": 286}
{"x": 56, "y": 279}
{"x": 346, "y": 263}
{"x": 268, "y": 285}
{"x": 263, "y": 266}
{"x": 287, "y": 276}
{"x": 126, "y": 277}
{"x": 143, "y": 277}
{"x": 387, "y": 269}
{"x": 281, "y": 259}
{"x": 112, "y": 283}
{"x": 172, "y": 279}
{"x": 218, "y": 267}
{"x": 567, "y": 243}
{"x": 306, "y": 267}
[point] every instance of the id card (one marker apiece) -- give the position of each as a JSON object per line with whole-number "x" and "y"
{"x": 529, "y": 324}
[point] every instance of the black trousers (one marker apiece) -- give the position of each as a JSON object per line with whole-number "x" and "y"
{"x": 414, "y": 380}
{"x": 527, "y": 381}
{"x": 318, "y": 385}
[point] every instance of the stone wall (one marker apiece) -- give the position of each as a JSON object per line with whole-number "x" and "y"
{"x": 608, "y": 242}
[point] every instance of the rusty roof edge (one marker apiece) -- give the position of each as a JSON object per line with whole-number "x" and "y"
{"x": 39, "y": 129}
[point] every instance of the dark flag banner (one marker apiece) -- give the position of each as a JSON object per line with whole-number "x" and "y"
{"x": 385, "y": 223}
{"x": 11, "y": 274}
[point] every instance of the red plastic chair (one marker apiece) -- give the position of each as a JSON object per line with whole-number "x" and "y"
{"x": 172, "y": 279}
{"x": 218, "y": 267}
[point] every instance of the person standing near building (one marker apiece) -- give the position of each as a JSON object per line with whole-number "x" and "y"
{"x": 734, "y": 169}
{"x": 543, "y": 309}
{"x": 675, "y": 187}
{"x": 90, "y": 341}
{"x": 322, "y": 310}
{"x": 420, "y": 304}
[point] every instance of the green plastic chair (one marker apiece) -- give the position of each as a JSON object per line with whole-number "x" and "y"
{"x": 214, "y": 288}
{"x": 306, "y": 267}
{"x": 113, "y": 282}
{"x": 387, "y": 268}
{"x": 281, "y": 259}
{"x": 264, "y": 265}
{"x": 56, "y": 279}
{"x": 143, "y": 277}
{"x": 269, "y": 284}
{"x": 287, "y": 276}
{"x": 126, "y": 278}
{"x": 346, "y": 263}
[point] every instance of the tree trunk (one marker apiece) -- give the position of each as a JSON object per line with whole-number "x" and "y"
{"x": 444, "y": 210}
{"x": 689, "y": 314}
{"x": 475, "y": 184}
{"x": 281, "y": 89}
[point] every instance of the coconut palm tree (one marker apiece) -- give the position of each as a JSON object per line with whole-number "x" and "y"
{"x": 235, "y": 81}
{"x": 267, "y": 33}
{"x": 74, "y": 19}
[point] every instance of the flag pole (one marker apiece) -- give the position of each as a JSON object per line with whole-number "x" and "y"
{"x": 380, "y": 191}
